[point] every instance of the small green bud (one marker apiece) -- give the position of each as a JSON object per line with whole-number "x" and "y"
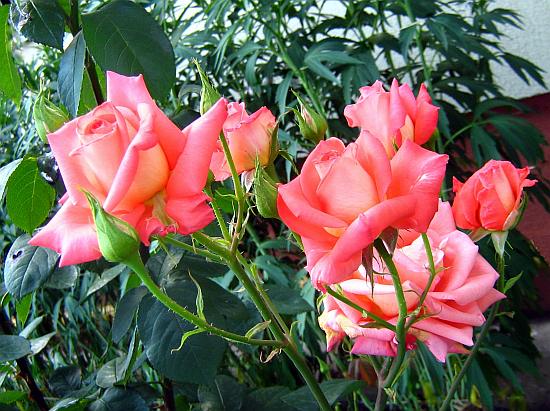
{"x": 313, "y": 125}
{"x": 118, "y": 240}
{"x": 47, "y": 117}
{"x": 209, "y": 94}
{"x": 265, "y": 193}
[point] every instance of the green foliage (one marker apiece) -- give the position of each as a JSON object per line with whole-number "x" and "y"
{"x": 27, "y": 267}
{"x": 10, "y": 82}
{"x": 71, "y": 74}
{"x": 94, "y": 338}
{"x": 29, "y": 197}
{"x": 122, "y": 37}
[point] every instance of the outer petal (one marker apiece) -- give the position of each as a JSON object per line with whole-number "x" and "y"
{"x": 425, "y": 122}
{"x": 200, "y": 137}
{"x": 465, "y": 205}
{"x": 70, "y": 233}
{"x": 191, "y": 213}
{"x": 130, "y": 92}
{"x": 418, "y": 172}
{"x": 345, "y": 258}
{"x": 300, "y": 216}
{"x": 144, "y": 169}
{"x": 369, "y": 346}
{"x": 63, "y": 142}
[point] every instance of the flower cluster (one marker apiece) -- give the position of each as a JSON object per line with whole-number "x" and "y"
{"x": 138, "y": 166}
{"x": 347, "y": 196}
{"x": 143, "y": 168}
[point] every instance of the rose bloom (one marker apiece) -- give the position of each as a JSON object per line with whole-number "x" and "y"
{"x": 137, "y": 163}
{"x": 249, "y": 138}
{"x": 461, "y": 291}
{"x": 490, "y": 199}
{"x": 346, "y": 196}
{"x": 394, "y": 116}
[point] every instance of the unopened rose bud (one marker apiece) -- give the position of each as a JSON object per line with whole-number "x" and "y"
{"x": 118, "y": 240}
{"x": 313, "y": 125}
{"x": 47, "y": 117}
{"x": 209, "y": 94}
{"x": 265, "y": 193}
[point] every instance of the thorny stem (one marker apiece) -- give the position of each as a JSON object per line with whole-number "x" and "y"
{"x": 400, "y": 331}
{"x": 484, "y": 331}
{"x": 137, "y": 266}
{"x": 266, "y": 309}
{"x": 433, "y": 273}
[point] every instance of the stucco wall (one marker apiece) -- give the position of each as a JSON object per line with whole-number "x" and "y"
{"x": 532, "y": 43}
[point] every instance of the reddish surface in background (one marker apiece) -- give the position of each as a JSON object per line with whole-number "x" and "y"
{"x": 535, "y": 220}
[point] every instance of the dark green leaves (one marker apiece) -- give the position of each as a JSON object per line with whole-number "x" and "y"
{"x": 46, "y": 23}
{"x": 287, "y": 300}
{"x": 27, "y": 267}
{"x": 71, "y": 73}
{"x": 10, "y": 82}
{"x": 161, "y": 331}
{"x": 123, "y": 37}
{"x": 13, "y": 347}
{"x": 303, "y": 400}
{"x": 29, "y": 197}
{"x": 118, "y": 399}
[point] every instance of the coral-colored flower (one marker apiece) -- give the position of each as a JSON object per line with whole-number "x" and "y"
{"x": 249, "y": 138}
{"x": 137, "y": 163}
{"x": 490, "y": 199}
{"x": 394, "y": 116}
{"x": 461, "y": 291}
{"x": 346, "y": 196}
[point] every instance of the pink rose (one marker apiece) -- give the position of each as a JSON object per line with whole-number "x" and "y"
{"x": 249, "y": 137}
{"x": 346, "y": 196}
{"x": 461, "y": 291}
{"x": 394, "y": 116}
{"x": 137, "y": 163}
{"x": 491, "y": 197}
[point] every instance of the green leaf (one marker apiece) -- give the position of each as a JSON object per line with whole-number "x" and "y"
{"x": 62, "y": 278}
{"x": 27, "y": 267}
{"x": 505, "y": 370}
{"x": 29, "y": 197}
{"x": 267, "y": 399}
{"x": 160, "y": 331}
{"x": 118, "y": 399}
{"x": 406, "y": 36}
{"x": 7, "y": 397}
{"x": 65, "y": 380}
{"x": 13, "y": 347}
{"x": 433, "y": 367}
{"x": 22, "y": 308}
{"x": 46, "y": 23}
{"x": 105, "y": 279}
{"x": 476, "y": 378}
{"x": 39, "y": 343}
{"x": 510, "y": 282}
{"x": 303, "y": 400}
{"x": 123, "y": 37}
{"x": 483, "y": 146}
{"x": 282, "y": 91}
{"x": 125, "y": 310}
{"x": 287, "y": 300}
{"x": 111, "y": 373}
{"x": 10, "y": 82}
{"x": 71, "y": 74}
{"x": 225, "y": 394}
{"x": 5, "y": 173}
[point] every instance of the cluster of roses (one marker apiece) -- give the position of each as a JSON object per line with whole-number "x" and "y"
{"x": 146, "y": 171}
